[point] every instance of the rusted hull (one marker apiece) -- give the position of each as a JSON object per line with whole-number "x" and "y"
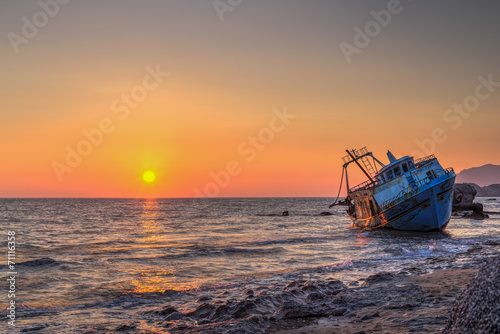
{"x": 426, "y": 211}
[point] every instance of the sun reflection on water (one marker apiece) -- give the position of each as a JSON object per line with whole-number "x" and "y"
{"x": 362, "y": 241}
{"x": 156, "y": 278}
{"x": 149, "y": 221}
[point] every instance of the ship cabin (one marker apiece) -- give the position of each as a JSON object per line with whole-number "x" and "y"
{"x": 387, "y": 184}
{"x": 396, "y": 168}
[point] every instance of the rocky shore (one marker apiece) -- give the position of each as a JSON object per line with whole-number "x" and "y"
{"x": 450, "y": 301}
{"x": 416, "y": 299}
{"x": 390, "y": 303}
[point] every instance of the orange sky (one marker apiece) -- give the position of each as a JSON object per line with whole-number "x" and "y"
{"x": 227, "y": 81}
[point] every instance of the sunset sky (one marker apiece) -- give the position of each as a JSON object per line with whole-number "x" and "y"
{"x": 264, "y": 96}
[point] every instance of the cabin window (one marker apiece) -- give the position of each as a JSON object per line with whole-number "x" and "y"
{"x": 397, "y": 171}
{"x": 405, "y": 168}
{"x": 431, "y": 174}
{"x": 390, "y": 176}
{"x": 410, "y": 164}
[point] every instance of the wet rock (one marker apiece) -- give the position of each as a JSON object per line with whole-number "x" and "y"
{"x": 440, "y": 319}
{"x": 325, "y": 213}
{"x": 492, "y": 243}
{"x": 175, "y": 316}
{"x": 463, "y": 196}
{"x": 293, "y": 310}
{"x": 262, "y": 293}
{"x": 224, "y": 311}
{"x": 401, "y": 305}
{"x": 463, "y": 199}
{"x": 250, "y": 325}
{"x": 336, "y": 286}
{"x": 33, "y": 329}
{"x": 477, "y": 212}
{"x": 179, "y": 328}
{"x": 379, "y": 277}
{"x": 169, "y": 292}
{"x": 222, "y": 294}
{"x": 309, "y": 288}
{"x": 338, "y": 311}
{"x": 203, "y": 299}
{"x": 285, "y": 213}
{"x": 244, "y": 308}
{"x": 167, "y": 310}
{"x": 202, "y": 311}
{"x": 477, "y": 309}
{"x": 315, "y": 297}
{"x": 474, "y": 249}
{"x": 125, "y": 328}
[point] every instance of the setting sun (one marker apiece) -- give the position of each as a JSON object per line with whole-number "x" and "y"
{"x": 149, "y": 176}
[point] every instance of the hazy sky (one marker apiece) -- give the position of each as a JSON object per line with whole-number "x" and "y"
{"x": 239, "y": 98}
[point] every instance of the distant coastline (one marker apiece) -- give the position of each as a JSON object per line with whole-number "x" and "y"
{"x": 493, "y": 190}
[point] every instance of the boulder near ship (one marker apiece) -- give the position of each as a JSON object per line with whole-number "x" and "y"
{"x": 406, "y": 194}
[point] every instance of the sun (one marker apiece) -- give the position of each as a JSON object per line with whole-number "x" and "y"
{"x": 149, "y": 176}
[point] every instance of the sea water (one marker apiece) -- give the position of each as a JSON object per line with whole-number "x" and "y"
{"x": 92, "y": 265}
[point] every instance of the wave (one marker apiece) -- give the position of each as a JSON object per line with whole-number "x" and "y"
{"x": 92, "y": 245}
{"x": 299, "y": 240}
{"x": 45, "y": 261}
{"x": 321, "y": 214}
{"x": 253, "y": 250}
{"x": 199, "y": 251}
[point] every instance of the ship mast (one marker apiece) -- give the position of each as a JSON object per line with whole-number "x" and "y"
{"x": 355, "y": 159}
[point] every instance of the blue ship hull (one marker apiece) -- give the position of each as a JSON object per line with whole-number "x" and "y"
{"x": 427, "y": 211}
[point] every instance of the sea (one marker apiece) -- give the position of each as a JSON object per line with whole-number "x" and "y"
{"x": 141, "y": 265}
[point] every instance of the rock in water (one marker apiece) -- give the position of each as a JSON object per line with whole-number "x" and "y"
{"x": 477, "y": 212}
{"x": 325, "y": 213}
{"x": 477, "y": 310}
{"x": 463, "y": 196}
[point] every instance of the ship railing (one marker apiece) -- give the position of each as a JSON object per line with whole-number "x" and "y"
{"x": 365, "y": 185}
{"x": 410, "y": 191}
{"x": 423, "y": 160}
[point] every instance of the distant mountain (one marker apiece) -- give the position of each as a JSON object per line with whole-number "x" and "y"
{"x": 482, "y": 176}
